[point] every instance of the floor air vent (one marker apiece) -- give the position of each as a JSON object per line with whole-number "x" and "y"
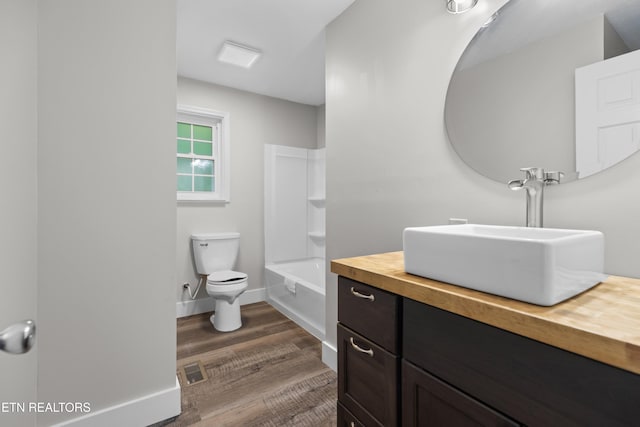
{"x": 194, "y": 373}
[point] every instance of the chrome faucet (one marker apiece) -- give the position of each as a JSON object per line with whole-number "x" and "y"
{"x": 534, "y": 182}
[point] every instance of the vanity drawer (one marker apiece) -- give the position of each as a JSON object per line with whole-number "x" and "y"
{"x": 371, "y": 312}
{"x": 346, "y": 418}
{"x": 367, "y": 379}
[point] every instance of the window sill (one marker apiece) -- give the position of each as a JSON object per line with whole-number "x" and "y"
{"x": 201, "y": 198}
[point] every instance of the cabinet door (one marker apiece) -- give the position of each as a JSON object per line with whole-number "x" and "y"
{"x": 367, "y": 379}
{"x": 537, "y": 384}
{"x": 427, "y": 401}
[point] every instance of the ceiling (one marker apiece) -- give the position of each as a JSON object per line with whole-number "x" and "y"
{"x": 290, "y": 34}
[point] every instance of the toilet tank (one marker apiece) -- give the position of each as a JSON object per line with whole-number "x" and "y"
{"x": 215, "y": 251}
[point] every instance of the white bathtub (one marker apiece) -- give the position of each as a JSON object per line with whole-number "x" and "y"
{"x": 296, "y": 289}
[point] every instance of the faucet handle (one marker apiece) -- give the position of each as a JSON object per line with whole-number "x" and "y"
{"x": 516, "y": 184}
{"x": 529, "y": 173}
{"x": 533, "y": 173}
{"x": 553, "y": 177}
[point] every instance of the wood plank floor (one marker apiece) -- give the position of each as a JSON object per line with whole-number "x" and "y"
{"x": 268, "y": 373}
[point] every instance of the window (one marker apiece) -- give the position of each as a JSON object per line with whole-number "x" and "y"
{"x": 202, "y": 154}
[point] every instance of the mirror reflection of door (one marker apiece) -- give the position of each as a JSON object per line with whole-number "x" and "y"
{"x": 607, "y": 112}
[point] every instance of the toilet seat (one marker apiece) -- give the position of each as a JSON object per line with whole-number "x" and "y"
{"x": 226, "y": 277}
{"x": 227, "y": 290}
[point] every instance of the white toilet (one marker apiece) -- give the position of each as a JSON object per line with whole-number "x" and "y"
{"x": 215, "y": 255}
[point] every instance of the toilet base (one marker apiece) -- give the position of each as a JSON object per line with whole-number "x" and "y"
{"x": 226, "y": 317}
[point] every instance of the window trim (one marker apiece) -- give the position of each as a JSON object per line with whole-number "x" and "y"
{"x": 198, "y": 115}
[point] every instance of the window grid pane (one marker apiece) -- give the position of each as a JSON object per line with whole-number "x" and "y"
{"x": 184, "y": 146}
{"x": 203, "y": 183}
{"x": 185, "y": 183}
{"x": 202, "y": 148}
{"x": 203, "y": 167}
{"x": 184, "y": 165}
{"x": 184, "y": 130}
{"x": 203, "y": 133}
{"x": 195, "y": 157}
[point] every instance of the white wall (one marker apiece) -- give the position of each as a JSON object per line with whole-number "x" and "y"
{"x": 255, "y": 120}
{"x": 106, "y": 200}
{"x": 18, "y": 215}
{"x": 389, "y": 164}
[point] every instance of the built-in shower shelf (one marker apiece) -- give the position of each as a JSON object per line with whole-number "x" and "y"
{"x": 317, "y": 235}
{"x": 317, "y": 201}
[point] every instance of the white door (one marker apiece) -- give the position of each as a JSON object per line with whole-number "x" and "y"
{"x": 18, "y": 207}
{"x": 607, "y": 112}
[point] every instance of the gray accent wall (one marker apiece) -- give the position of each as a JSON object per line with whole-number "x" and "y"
{"x": 390, "y": 165}
{"x": 106, "y": 202}
{"x": 18, "y": 180}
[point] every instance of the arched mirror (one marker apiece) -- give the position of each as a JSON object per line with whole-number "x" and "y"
{"x": 548, "y": 83}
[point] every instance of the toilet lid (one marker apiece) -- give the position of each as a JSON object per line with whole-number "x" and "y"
{"x": 226, "y": 277}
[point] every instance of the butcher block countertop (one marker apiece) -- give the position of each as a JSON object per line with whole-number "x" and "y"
{"x": 602, "y": 323}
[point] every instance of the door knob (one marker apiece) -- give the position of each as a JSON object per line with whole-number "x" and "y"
{"x": 18, "y": 338}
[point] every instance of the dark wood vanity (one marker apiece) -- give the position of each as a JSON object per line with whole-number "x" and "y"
{"x": 415, "y": 352}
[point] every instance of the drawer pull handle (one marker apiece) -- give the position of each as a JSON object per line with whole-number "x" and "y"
{"x": 360, "y": 349}
{"x": 359, "y": 295}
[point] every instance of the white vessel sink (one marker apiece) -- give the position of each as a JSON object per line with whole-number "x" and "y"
{"x": 537, "y": 265}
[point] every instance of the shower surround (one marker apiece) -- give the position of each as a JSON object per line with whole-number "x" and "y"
{"x": 295, "y": 234}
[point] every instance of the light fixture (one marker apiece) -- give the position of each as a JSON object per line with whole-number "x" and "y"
{"x": 460, "y": 6}
{"x": 237, "y": 54}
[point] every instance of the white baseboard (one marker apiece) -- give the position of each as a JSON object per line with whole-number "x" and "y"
{"x": 253, "y": 295}
{"x": 205, "y": 305}
{"x": 330, "y": 356}
{"x": 142, "y": 411}
{"x": 196, "y": 306}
